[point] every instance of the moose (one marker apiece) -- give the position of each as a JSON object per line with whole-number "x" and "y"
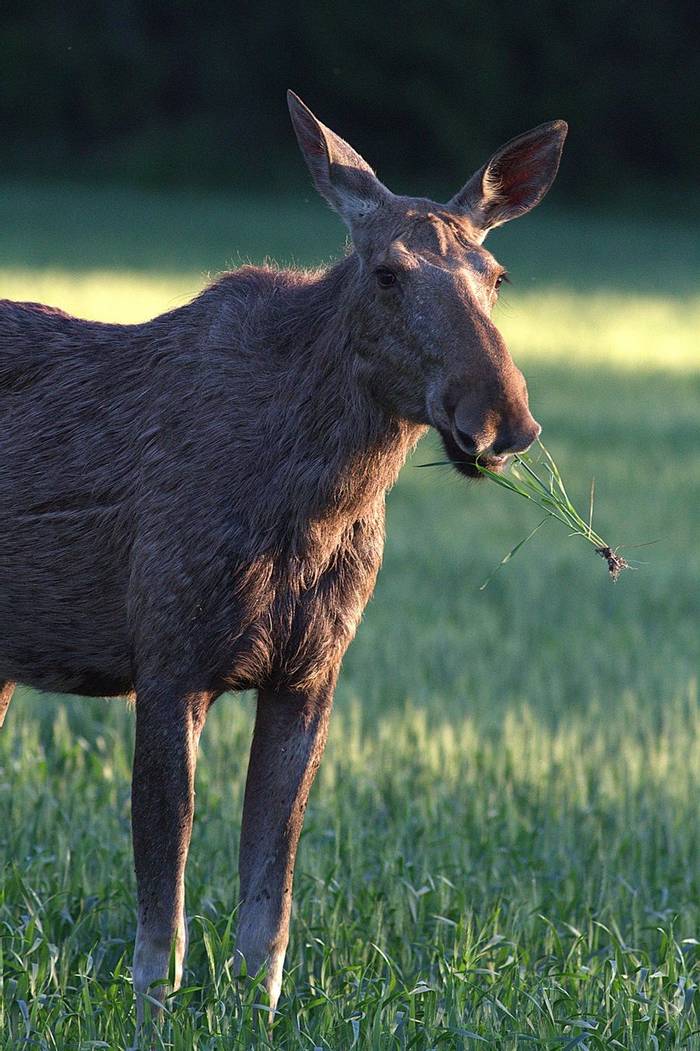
{"x": 195, "y": 504}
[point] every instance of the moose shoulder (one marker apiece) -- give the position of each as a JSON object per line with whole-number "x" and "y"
{"x": 196, "y": 504}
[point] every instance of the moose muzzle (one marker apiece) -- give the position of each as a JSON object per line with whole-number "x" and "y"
{"x": 495, "y": 433}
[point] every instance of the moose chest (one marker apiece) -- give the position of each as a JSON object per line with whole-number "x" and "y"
{"x": 302, "y": 610}
{"x": 258, "y": 577}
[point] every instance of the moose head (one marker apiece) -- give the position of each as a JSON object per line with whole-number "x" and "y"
{"x": 427, "y": 287}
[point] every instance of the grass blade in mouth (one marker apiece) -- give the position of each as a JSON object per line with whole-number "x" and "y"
{"x": 539, "y": 480}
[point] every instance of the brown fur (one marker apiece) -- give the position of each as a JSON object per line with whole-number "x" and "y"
{"x": 196, "y": 504}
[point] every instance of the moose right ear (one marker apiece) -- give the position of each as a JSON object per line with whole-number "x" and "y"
{"x": 339, "y": 173}
{"x": 515, "y": 179}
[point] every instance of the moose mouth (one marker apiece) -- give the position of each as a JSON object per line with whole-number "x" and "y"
{"x": 465, "y": 463}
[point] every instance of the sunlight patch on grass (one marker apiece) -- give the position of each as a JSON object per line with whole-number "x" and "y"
{"x": 446, "y": 866}
{"x": 619, "y": 330}
{"x": 102, "y": 295}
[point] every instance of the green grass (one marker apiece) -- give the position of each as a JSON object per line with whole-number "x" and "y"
{"x": 502, "y": 849}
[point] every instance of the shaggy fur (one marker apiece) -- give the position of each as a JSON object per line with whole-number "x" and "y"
{"x": 134, "y": 539}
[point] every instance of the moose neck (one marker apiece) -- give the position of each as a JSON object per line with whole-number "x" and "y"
{"x": 347, "y": 448}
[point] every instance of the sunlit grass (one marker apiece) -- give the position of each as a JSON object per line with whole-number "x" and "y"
{"x": 502, "y": 848}
{"x": 533, "y": 880}
{"x": 585, "y": 328}
{"x": 603, "y": 329}
{"x": 587, "y": 289}
{"x": 102, "y": 295}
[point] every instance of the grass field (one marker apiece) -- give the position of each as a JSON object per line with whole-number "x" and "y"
{"x": 502, "y": 848}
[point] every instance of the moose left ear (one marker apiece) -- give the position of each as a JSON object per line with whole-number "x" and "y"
{"x": 340, "y": 174}
{"x": 515, "y": 179}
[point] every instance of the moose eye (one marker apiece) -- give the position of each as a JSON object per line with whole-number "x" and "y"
{"x": 500, "y": 279}
{"x": 385, "y": 278}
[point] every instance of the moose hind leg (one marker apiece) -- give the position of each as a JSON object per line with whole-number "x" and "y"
{"x": 290, "y": 734}
{"x": 167, "y": 733}
{"x": 6, "y": 691}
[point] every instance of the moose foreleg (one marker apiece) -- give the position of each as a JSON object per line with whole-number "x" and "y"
{"x": 162, "y": 809}
{"x": 290, "y": 735}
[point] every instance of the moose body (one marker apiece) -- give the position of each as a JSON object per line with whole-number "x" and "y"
{"x": 210, "y": 484}
{"x": 196, "y": 504}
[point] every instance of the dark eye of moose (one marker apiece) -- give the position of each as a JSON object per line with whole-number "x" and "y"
{"x": 385, "y": 278}
{"x": 499, "y": 281}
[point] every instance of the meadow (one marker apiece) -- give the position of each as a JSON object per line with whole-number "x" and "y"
{"x": 502, "y": 848}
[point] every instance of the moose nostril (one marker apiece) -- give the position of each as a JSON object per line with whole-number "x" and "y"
{"x": 502, "y": 446}
{"x": 518, "y": 441}
{"x": 464, "y": 440}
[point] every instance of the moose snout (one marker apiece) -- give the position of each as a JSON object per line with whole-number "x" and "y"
{"x": 493, "y": 433}
{"x": 517, "y": 441}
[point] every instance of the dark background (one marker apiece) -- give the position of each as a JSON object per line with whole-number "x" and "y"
{"x": 185, "y": 93}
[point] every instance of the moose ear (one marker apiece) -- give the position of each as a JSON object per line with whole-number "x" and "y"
{"x": 515, "y": 179}
{"x": 340, "y": 175}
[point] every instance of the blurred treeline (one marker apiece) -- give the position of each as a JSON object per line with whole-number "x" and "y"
{"x": 191, "y": 92}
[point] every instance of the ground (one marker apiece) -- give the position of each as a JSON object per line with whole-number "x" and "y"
{"x": 502, "y": 846}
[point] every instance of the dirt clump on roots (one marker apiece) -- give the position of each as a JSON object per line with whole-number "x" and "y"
{"x": 616, "y": 563}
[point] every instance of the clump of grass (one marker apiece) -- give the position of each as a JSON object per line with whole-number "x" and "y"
{"x": 539, "y": 480}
